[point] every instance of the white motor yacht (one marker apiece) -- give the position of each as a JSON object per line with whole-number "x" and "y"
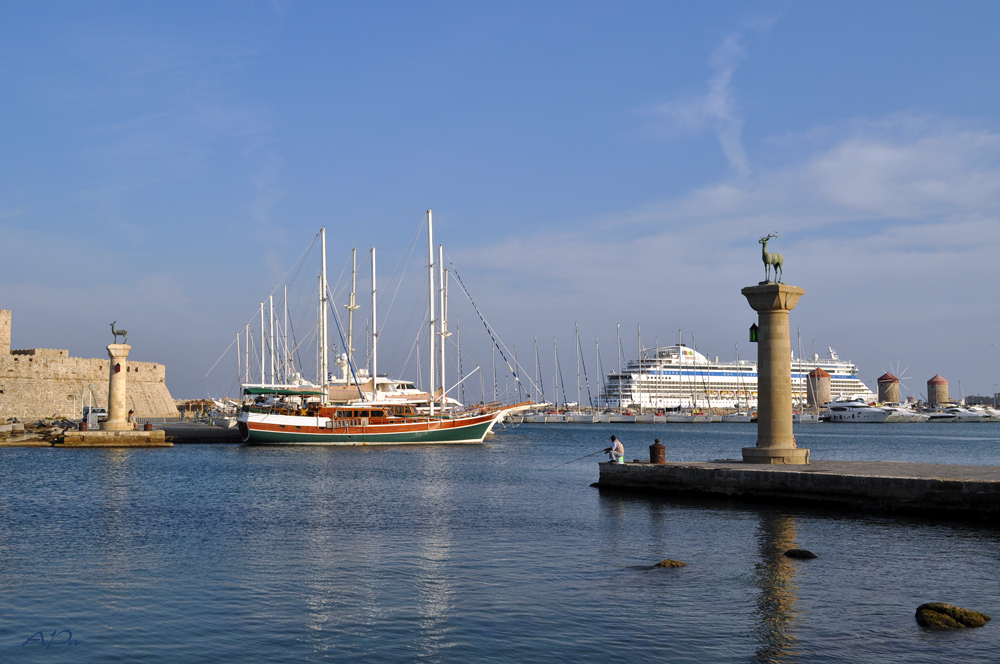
{"x": 964, "y": 415}
{"x": 905, "y": 415}
{"x": 856, "y": 411}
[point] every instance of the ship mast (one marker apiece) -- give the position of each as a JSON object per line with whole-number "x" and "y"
{"x": 555, "y": 372}
{"x": 352, "y": 306}
{"x": 638, "y": 341}
{"x": 270, "y": 306}
{"x": 444, "y": 334}
{"x": 284, "y": 341}
{"x": 324, "y": 361}
{"x": 576, "y": 326}
{"x": 433, "y": 335}
{"x": 374, "y": 332}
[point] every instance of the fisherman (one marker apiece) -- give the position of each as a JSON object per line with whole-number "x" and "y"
{"x": 616, "y": 453}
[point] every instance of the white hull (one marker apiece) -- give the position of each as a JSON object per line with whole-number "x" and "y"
{"x": 679, "y": 377}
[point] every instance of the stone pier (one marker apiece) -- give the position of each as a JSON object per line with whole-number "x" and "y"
{"x": 875, "y": 486}
{"x": 775, "y": 442}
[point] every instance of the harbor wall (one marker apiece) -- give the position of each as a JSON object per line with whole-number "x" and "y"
{"x": 44, "y": 382}
{"x": 869, "y": 486}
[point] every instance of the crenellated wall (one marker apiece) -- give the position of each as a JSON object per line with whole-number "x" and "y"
{"x": 44, "y": 382}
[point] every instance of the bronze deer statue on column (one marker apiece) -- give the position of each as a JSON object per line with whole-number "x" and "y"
{"x": 123, "y": 333}
{"x": 771, "y": 259}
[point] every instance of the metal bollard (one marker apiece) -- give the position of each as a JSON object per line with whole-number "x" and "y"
{"x": 657, "y": 453}
{"x": 148, "y": 426}
{"x": 83, "y": 425}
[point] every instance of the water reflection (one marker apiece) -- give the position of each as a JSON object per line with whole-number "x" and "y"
{"x": 435, "y": 593}
{"x": 775, "y": 576}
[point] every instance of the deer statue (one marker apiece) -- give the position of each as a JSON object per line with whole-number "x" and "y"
{"x": 123, "y": 333}
{"x": 771, "y": 259}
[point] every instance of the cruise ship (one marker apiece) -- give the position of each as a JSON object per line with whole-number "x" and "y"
{"x": 681, "y": 377}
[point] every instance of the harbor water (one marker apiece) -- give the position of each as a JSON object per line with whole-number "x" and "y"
{"x": 494, "y": 552}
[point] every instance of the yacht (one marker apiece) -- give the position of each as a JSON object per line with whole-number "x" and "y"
{"x": 964, "y": 415}
{"x": 905, "y": 415}
{"x": 855, "y": 411}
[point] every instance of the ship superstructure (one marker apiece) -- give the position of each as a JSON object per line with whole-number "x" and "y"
{"x": 681, "y": 377}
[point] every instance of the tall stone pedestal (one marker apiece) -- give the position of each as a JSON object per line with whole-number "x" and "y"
{"x": 775, "y": 442}
{"x": 117, "y": 383}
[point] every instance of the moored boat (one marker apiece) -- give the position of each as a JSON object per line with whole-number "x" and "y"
{"x": 855, "y": 411}
{"x": 279, "y": 424}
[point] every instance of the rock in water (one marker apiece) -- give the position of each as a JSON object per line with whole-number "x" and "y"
{"x": 669, "y": 563}
{"x": 804, "y": 554}
{"x": 939, "y": 615}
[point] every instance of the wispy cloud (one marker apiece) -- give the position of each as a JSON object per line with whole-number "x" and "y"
{"x": 11, "y": 214}
{"x": 714, "y": 110}
{"x": 882, "y": 218}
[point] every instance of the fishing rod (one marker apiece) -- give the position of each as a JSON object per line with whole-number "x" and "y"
{"x": 583, "y": 457}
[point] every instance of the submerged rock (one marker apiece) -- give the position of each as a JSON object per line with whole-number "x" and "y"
{"x": 804, "y": 554}
{"x": 938, "y": 615}
{"x": 669, "y": 563}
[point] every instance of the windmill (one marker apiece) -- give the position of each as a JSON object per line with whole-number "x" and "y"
{"x": 890, "y": 382}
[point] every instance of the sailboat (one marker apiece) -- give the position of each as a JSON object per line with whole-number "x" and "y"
{"x": 281, "y": 416}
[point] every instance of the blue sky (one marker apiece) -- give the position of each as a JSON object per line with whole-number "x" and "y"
{"x": 164, "y": 164}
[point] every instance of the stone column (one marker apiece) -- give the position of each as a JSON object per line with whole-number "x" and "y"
{"x": 117, "y": 404}
{"x": 775, "y": 442}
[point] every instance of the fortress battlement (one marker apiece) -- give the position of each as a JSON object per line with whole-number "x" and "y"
{"x": 47, "y": 382}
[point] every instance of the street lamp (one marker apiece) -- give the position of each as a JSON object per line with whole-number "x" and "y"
{"x": 995, "y": 395}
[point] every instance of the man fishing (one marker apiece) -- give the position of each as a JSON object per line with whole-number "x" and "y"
{"x": 616, "y": 453}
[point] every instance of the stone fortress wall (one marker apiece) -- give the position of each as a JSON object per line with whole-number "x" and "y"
{"x": 43, "y": 382}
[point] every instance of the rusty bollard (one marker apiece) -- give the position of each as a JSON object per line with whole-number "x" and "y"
{"x": 83, "y": 425}
{"x": 148, "y": 426}
{"x": 657, "y": 453}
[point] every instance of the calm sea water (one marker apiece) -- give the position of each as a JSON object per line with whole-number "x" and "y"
{"x": 479, "y": 553}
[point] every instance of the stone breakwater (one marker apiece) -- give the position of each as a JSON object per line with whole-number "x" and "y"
{"x": 883, "y": 486}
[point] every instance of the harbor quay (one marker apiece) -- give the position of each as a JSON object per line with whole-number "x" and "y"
{"x": 874, "y": 486}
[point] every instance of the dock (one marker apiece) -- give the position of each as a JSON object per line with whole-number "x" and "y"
{"x": 874, "y": 486}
